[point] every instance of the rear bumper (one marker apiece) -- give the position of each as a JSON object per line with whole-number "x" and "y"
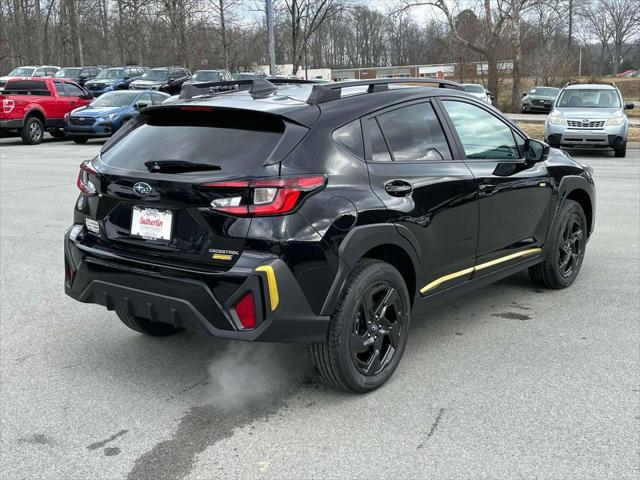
{"x": 193, "y": 299}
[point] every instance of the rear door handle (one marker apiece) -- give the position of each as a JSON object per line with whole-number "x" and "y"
{"x": 398, "y": 188}
{"x": 487, "y": 188}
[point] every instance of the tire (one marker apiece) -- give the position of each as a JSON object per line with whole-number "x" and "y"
{"x": 32, "y": 132}
{"x": 142, "y": 325}
{"x": 360, "y": 356}
{"x": 81, "y": 140}
{"x": 565, "y": 249}
{"x": 621, "y": 152}
{"x": 553, "y": 144}
{"x": 57, "y": 133}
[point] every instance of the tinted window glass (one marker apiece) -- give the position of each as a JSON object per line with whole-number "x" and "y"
{"x": 349, "y": 136}
{"x": 233, "y": 141}
{"x": 144, "y": 99}
{"x": 73, "y": 90}
{"x": 27, "y": 87}
{"x": 157, "y": 99}
{"x": 379, "y": 150}
{"x": 414, "y": 134}
{"x": 482, "y": 135}
{"x": 60, "y": 89}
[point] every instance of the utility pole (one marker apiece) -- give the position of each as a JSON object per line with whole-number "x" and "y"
{"x": 271, "y": 39}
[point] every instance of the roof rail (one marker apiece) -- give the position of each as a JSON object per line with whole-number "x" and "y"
{"x": 333, "y": 91}
{"x": 257, "y": 87}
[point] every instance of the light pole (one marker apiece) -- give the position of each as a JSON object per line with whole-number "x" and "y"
{"x": 271, "y": 39}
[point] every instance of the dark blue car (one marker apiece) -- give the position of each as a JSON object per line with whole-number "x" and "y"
{"x": 106, "y": 114}
{"x": 110, "y": 79}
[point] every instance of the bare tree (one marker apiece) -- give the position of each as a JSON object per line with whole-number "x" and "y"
{"x": 306, "y": 16}
{"x": 624, "y": 22}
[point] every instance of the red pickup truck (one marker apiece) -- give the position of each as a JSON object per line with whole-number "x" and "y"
{"x": 31, "y": 106}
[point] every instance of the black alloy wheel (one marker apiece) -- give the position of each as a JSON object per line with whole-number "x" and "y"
{"x": 368, "y": 331}
{"x": 571, "y": 247}
{"x": 377, "y": 329}
{"x": 565, "y": 248}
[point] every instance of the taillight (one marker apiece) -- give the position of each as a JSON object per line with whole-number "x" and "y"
{"x": 84, "y": 183}
{"x": 265, "y": 197}
{"x": 246, "y": 310}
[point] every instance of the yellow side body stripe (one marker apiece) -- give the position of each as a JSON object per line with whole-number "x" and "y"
{"x": 439, "y": 281}
{"x": 272, "y": 283}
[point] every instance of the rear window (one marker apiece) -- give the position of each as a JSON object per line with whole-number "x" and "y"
{"x": 27, "y": 87}
{"x": 231, "y": 140}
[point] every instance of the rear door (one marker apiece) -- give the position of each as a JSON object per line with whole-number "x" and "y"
{"x": 426, "y": 187}
{"x": 514, "y": 195}
{"x": 227, "y": 145}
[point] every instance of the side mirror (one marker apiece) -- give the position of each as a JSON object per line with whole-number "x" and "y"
{"x": 86, "y": 96}
{"x": 172, "y": 79}
{"x": 629, "y": 106}
{"x": 524, "y": 94}
{"x": 535, "y": 151}
{"x": 141, "y": 105}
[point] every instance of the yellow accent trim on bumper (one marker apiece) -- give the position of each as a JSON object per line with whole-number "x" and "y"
{"x": 438, "y": 281}
{"x": 272, "y": 283}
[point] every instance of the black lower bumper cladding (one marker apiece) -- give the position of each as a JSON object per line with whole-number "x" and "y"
{"x": 194, "y": 300}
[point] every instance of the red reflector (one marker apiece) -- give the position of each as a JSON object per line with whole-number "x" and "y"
{"x": 246, "y": 311}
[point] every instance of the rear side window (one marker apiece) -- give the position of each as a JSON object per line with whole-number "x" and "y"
{"x": 414, "y": 134}
{"x": 234, "y": 141}
{"x": 379, "y": 149}
{"x": 60, "y": 89}
{"x": 27, "y": 87}
{"x": 73, "y": 90}
{"x": 349, "y": 136}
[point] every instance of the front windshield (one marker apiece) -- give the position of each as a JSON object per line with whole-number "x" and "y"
{"x": 544, "y": 91}
{"x": 206, "y": 76}
{"x": 67, "y": 73}
{"x": 589, "y": 98}
{"x": 110, "y": 74}
{"x": 156, "y": 75}
{"x": 22, "y": 72}
{"x": 115, "y": 99}
{"x": 473, "y": 88}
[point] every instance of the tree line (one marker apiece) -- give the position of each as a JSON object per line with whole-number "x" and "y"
{"x": 550, "y": 40}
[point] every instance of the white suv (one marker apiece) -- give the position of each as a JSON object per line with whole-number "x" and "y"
{"x": 589, "y": 115}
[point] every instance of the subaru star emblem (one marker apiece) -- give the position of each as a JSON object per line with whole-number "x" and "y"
{"x": 142, "y": 188}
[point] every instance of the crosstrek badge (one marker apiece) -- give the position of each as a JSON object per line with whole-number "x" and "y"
{"x": 227, "y": 255}
{"x": 151, "y": 224}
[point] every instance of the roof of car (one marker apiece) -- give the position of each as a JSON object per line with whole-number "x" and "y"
{"x": 290, "y": 100}
{"x": 587, "y": 86}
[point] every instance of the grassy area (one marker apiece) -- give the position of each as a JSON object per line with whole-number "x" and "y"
{"x": 536, "y": 130}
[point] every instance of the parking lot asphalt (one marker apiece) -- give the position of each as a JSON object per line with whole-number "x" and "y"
{"x": 507, "y": 382}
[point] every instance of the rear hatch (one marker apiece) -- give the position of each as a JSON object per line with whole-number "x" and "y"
{"x": 154, "y": 197}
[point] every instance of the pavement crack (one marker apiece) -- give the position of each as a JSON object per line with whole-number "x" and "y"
{"x": 434, "y": 427}
{"x": 102, "y": 443}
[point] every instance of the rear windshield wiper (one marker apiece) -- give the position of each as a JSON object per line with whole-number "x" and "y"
{"x": 179, "y": 166}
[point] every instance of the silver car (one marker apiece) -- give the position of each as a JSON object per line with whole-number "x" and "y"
{"x": 478, "y": 91}
{"x": 589, "y": 115}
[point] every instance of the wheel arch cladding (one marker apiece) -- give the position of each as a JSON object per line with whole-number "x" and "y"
{"x": 34, "y": 112}
{"x": 400, "y": 260}
{"x": 379, "y": 241}
{"x": 583, "y": 198}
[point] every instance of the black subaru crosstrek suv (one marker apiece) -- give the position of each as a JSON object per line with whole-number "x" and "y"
{"x": 329, "y": 214}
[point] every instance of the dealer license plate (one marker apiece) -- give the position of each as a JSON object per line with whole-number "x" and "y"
{"x": 151, "y": 223}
